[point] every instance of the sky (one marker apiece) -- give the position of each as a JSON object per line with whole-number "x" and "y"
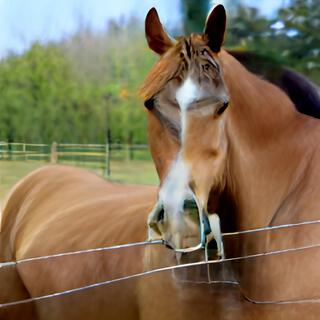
{"x": 25, "y": 21}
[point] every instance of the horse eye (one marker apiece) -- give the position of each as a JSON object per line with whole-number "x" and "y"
{"x": 206, "y": 66}
{"x": 222, "y": 108}
{"x": 204, "y": 52}
{"x": 149, "y": 104}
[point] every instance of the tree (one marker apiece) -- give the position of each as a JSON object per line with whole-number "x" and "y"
{"x": 75, "y": 90}
{"x": 194, "y": 15}
{"x": 301, "y": 21}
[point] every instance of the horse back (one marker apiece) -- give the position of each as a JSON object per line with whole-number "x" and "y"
{"x": 59, "y": 209}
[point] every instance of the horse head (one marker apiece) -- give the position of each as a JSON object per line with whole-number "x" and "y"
{"x": 187, "y": 102}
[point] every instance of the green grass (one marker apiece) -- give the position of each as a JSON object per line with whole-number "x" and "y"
{"x": 13, "y": 171}
{"x": 135, "y": 171}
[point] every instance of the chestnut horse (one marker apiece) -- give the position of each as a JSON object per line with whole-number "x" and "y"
{"x": 237, "y": 145}
{"x": 217, "y": 133}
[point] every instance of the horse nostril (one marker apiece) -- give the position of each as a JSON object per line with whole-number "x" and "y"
{"x": 160, "y": 215}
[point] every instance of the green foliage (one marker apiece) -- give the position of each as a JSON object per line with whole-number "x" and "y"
{"x": 303, "y": 18}
{"x": 194, "y": 15}
{"x": 247, "y": 28}
{"x": 34, "y": 88}
{"x": 296, "y": 45}
{"x": 76, "y": 90}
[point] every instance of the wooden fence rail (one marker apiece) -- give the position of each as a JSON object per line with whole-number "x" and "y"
{"x": 91, "y": 155}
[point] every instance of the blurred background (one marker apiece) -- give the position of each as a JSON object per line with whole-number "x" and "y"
{"x": 70, "y": 71}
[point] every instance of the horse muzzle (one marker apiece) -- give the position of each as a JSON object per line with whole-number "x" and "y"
{"x": 183, "y": 231}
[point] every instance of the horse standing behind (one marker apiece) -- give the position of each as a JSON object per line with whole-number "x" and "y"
{"x": 59, "y": 209}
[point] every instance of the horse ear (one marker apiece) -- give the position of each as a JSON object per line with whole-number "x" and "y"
{"x": 158, "y": 40}
{"x": 215, "y": 27}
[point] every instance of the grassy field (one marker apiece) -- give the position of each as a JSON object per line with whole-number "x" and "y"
{"x": 135, "y": 171}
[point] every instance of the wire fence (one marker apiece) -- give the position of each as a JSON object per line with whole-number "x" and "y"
{"x": 95, "y": 156}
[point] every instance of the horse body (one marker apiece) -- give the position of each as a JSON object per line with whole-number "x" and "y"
{"x": 53, "y": 196}
{"x": 59, "y": 209}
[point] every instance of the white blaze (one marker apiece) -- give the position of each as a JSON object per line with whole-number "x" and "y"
{"x": 175, "y": 188}
{"x": 188, "y": 93}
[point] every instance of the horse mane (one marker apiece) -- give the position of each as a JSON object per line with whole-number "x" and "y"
{"x": 303, "y": 92}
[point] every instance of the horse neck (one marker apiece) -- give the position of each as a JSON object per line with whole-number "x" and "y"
{"x": 260, "y": 123}
{"x": 259, "y": 110}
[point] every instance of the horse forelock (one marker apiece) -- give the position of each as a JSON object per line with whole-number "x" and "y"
{"x": 161, "y": 73}
{"x": 175, "y": 63}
